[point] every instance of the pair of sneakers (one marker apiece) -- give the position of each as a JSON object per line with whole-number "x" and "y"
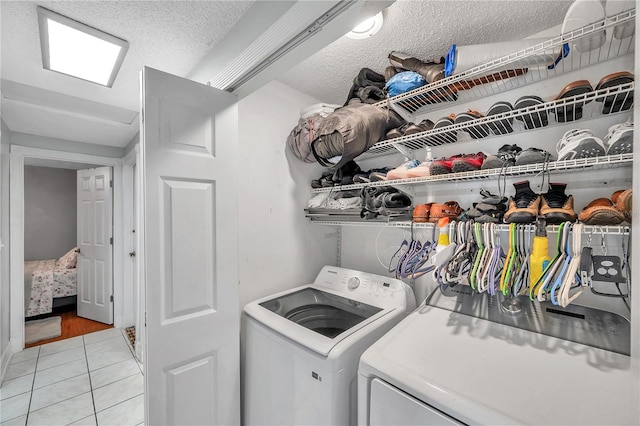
{"x": 582, "y": 143}
{"x": 525, "y": 206}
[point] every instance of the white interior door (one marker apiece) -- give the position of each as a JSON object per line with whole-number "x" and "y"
{"x": 95, "y": 225}
{"x": 189, "y": 249}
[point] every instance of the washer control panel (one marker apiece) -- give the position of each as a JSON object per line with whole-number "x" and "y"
{"x": 362, "y": 286}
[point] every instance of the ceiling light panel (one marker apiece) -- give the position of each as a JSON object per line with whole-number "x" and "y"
{"x": 72, "y": 48}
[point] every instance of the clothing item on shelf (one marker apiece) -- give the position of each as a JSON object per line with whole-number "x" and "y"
{"x": 620, "y": 101}
{"x": 556, "y": 206}
{"x": 351, "y": 130}
{"x": 367, "y": 87}
{"x": 371, "y": 175}
{"x": 490, "y": 209}
{"x": 342, "y": 200}
{"x": 579, "y": 143}
{"x": 504, "y": 126}
{"x": 533, "y": 156}
{"x": 532, "y": 120}
{"x": 401, "y": 171}
{"x": 403, "y": 82}
{"x": 619, "y": 140}
{"x": 383, "y": 200}
{"x": 524, "y": 205}
{"x": 467, "y": 162}
{"x": 571, "y": 111}
{"x": 506, "y": 157}
{"x": 342, "y": 176}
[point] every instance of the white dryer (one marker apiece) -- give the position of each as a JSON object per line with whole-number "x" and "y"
{"x": 302, "y": 346}
{"x": 446, "y": 365}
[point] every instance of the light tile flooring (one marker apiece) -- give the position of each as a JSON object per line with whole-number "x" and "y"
{"x": 86, "y": 380}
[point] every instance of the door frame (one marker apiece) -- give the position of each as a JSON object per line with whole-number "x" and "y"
{"x": 134, "y": 305}
{"x": 17, "y": 155}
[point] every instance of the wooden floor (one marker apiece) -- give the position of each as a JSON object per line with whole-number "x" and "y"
{"x": 72, "y": 326}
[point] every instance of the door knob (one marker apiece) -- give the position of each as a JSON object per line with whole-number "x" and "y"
{"x": 132, "y": 254}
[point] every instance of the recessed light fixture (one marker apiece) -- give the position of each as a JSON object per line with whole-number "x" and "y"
{"x": 367, "y": 28}
{"x": 73, "y": 48}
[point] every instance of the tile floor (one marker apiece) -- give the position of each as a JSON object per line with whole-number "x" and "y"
{"x": 86, "y": 380}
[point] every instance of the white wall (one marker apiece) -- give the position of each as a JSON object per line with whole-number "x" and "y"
{"x": 4, "y": 236}
{"x": 49, "y": 212}
{"x": 279, "y": 248}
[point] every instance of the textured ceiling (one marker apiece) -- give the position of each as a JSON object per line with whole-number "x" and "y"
{"x": 425, "y": 29}
{"x": 169, "y": 35}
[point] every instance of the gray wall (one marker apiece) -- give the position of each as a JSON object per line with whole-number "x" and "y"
{"x": 4, "y": 235}
{"x": 49, "y": 212}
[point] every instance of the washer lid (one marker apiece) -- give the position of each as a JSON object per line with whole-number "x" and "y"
{"x": 317, "y": 318}
{"x": 481, "y": 372}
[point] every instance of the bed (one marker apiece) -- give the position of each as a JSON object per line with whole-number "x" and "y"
{"x": 48, "y": 284}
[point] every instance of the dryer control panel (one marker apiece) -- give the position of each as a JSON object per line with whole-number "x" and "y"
{"x": 370, "y": 288}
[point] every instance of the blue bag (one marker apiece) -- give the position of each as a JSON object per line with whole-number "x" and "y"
{"x": 404, "y": 82}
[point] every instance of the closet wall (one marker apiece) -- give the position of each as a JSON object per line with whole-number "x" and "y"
{"x": 279, "y": 248}
{"x": 4, "y": 236}
{"x": 50, "y": 212}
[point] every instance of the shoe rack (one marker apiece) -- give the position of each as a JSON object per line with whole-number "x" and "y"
{"x": 487, "y": 80}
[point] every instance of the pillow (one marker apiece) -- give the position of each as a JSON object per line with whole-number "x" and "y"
{"x": 68, "y": 261}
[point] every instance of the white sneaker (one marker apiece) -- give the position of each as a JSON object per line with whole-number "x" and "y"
{"x": 580, "y": 143}
{"x": 580, "y": 14}
{"x": 619, "y": 140}
{"x": 615, "y": 7}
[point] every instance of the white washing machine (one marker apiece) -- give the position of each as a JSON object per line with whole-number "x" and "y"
{"x": 302, "y": 346}
{"x": 462, "y": 361}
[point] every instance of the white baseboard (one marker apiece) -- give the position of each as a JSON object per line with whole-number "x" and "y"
{"x": 4, "y": 361}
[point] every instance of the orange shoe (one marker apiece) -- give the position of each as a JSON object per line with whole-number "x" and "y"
{"x": 421, "y": 213}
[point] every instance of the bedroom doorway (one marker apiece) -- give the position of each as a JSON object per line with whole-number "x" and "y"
{"x": 21, "y": 159}
{"x": 68, "y": 230}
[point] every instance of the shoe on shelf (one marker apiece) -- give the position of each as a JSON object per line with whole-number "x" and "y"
{"x": 616, "y": 102}
{"x": 400, "y": 172}
{"x": 524, "y": 205}
{"x": 397, "y": 132}
{"x": 468, "y": 162}
{"x": 379, "y": 174}
{"x": 532, "y": 120}
{"x": 573, "y": 110}
{"x": 450, "y": 209}
{"x": 623, "y": 201}
{"x": 619, "y": 140}
{"x": 422, "y": 170}
{"x": 556, "y": 206}
{"x": 580, "y": 143}
{"x": 476, "y": 132}
{"x": 442, "y": 166}
{"x": 533, "y": 156}
{"x": 506, "y": 157}
{"x": 423, "y": 126}
{"x": 322, "y": 182}
{"x": 612, "y": 8}
{"x": 421, "y": 213}
{"x": 444, "y": 137}
{"x": 601, "y": 211}
{"x": 489, "y": 198}
{"x": 580, "y": 14}
{"x": 504, "y": 126}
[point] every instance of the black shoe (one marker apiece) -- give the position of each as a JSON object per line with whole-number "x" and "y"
{"x": 506, "y": 157}
{"x": 557, "y": 206}
{"x": 524, "y": 206}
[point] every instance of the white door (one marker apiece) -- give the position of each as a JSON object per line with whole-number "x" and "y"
{"x": 189, "y": 249}
{"x": 95, "y": 224}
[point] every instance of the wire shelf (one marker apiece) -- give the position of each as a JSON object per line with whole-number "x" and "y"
{"x": 592, "y": 163}
{"x": 588, "y": 229}
{"x": 519, "y": 68}
{"x": 609, "y": 101}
